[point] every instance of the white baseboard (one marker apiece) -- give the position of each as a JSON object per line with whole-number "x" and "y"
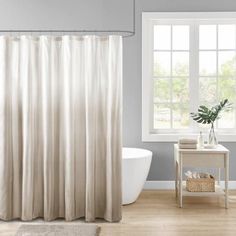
{"x": 158, "y": 185}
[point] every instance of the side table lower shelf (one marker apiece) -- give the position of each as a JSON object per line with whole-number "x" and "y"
{"x": 218, "y": 192}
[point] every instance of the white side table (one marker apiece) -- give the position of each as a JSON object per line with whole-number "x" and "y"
{"x": 216, "y": 158}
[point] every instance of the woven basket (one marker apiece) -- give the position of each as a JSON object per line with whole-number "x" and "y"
{"x": 201, "y": 184}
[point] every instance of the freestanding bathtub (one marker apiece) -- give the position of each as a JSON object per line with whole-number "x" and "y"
{"x": 135, "y": 167}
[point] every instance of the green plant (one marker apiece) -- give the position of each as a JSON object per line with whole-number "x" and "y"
{"x": 207, "y": 115}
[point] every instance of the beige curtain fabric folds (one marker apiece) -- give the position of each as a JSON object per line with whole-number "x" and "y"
{"x": 60, "y": 127}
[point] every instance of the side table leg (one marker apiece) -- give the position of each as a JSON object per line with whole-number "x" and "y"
{"x": 226, "y": 180}
{"x": 219, "y": 170}
{"x": 180, "y": 183}
{"x": 176, "y": 179}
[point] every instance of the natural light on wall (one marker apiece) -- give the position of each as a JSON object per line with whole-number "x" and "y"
{"x": 188, "y": 60}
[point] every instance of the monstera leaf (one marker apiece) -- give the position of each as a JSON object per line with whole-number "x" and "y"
{"x": 207, "y": 115}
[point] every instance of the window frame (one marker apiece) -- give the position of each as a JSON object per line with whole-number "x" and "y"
{"x": 193, "y": 19}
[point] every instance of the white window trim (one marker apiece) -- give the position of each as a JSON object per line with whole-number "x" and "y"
{"x": 147, "y": 42}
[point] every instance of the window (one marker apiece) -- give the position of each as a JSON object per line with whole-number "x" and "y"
{"x": 188, "y": 59}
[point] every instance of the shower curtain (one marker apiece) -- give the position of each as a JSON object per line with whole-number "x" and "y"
{"x": 60, "y": 127}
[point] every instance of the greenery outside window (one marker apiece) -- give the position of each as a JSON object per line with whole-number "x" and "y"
{"x": 188, "y": 59}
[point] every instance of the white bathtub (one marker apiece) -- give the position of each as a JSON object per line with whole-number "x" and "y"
{"x": 135, "y": 167}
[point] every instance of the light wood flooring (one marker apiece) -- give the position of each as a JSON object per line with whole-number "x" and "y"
{"x": 156, "y": 213}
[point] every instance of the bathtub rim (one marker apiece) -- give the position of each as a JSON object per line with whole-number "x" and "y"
{"x": 144, "y": 153}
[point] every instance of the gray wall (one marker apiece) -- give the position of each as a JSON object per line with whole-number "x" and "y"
{"x": 162, "y": 167}
{"x": 109, "y": 14}
{"x": 66, "y": 14}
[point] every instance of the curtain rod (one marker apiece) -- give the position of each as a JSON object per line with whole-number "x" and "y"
{"x": 125, "y": 33}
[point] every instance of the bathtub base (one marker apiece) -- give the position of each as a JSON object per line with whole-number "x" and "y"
{"x": 135, "y": 168}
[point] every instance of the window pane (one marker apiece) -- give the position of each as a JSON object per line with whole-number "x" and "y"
{"x": 227, "y": 120}
{"x": 180, "y": 116}
{"x": 161, "y": 90}
{"x": 207, "y": 36}
{"x": 161, "y": 64}
{"x": 227, "y": 89}
{"x": 180, "y": 90}
{"x": 208, "y": 90}
{"x": 226, "y": 62}
{"x": 162, "y": 37}
{"x": 226, "y": 36}
{"x": 161, "y": 116}
{"x": 180, "y": 62}
{"x": 207, "y": 63}
{"x": 180, "y": 37}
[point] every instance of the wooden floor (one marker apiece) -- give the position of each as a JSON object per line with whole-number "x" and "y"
{"x": 156, "y": 213}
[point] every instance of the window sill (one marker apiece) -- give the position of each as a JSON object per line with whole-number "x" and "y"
{"x": 223, "y": 137}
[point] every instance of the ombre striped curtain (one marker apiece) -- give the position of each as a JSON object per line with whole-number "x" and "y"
{"x": 60, "y": 127}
